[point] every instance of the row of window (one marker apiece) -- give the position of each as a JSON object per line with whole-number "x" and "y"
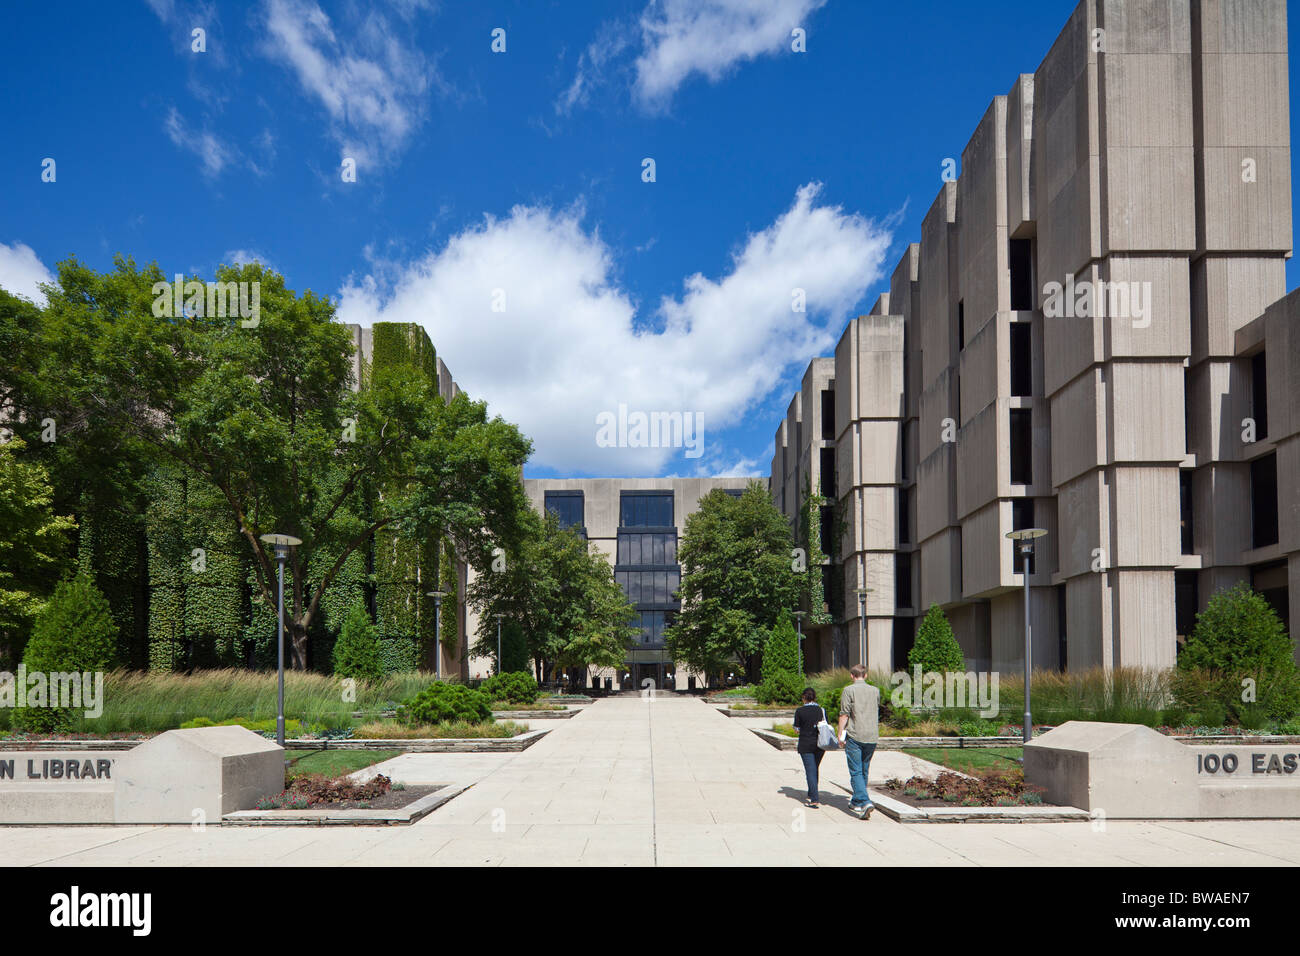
{"x": 650, "y": 587}
{"x": 651, "y": 547}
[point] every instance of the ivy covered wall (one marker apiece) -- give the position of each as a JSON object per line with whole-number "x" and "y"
{"x": 198, "y": 569}
{"x": 111, "y": 550}
{"x": 405, "y": 566}
{"x": 180, "y": 582}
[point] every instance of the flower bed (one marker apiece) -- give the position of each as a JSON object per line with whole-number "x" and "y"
{"x": 994, "y": 788}
{"x": 316, "y": 791}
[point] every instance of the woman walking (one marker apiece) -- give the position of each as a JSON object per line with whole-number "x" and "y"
{"x": 806, "y": 720}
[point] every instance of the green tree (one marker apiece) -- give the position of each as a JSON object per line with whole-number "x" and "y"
{"x": 33, "y": 546}
{"x": 1239, "y": 638}
{"x": 781, "y": 651}
{"x": 782, "y": 677}
{"x": 264, "y": 410}
{"x": 356, "y": 653}
{"x": 559, "y": 592}
{"x": 738, "y": 581}
{"x": 935, "y": 649}
{"x": 73, "y": 632}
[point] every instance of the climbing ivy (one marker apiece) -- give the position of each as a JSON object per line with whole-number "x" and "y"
{"x": 822, "y": 608}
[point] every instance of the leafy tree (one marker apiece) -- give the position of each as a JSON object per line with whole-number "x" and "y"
{"x": 356, "y": 653}
{"x": 782, "y": 677}
{"x": 781, "y": 652}
{"x": 738, "y": 580}
{"x": 33, "y": 546}
{"x": 266, "y": 413}
{"x": 560, "y": 594}
{"x": 1239, "y": 638}
{"x": 936, "y": 650}
{"x": 73, "y": 632}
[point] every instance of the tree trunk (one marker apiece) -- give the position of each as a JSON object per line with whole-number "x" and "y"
{"x": 296, "y": 651}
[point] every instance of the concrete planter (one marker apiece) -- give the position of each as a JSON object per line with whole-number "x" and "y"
{"x": 427, "y": 745}
{"x": 398, "y": 816}
{"x": 905, "y": 813}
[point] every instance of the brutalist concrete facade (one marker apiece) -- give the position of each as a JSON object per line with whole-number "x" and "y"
{"x": 1074, "y": 344}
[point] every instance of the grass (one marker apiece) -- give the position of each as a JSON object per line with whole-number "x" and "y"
{"x": 391, "y": 730}
{"x": 785, "y": 729}
{"x": 981, "y": 758}
{"x": 334, "y": 763}
{"x": 762, "y": 707}
{"x": 154, "y": 701}
{"x": 1123, "y": 695}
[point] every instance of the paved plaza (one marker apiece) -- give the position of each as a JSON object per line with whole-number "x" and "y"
{"x": 664, "y": 782}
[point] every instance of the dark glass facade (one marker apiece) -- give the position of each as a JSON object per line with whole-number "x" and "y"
{"x": 646, "y": 568}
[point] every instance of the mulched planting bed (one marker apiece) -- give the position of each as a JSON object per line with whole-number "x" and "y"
{"x": 997, "y": 788}
{"x": 317, "y": 792}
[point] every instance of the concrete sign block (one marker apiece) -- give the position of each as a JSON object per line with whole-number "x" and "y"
{"x": 42, "y": 786}
{"x": 184, "y": 776}
{"x": 1128, "y": 771}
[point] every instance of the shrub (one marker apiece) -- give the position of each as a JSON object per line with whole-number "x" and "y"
{"x": 357, "y": 651}
{"x": 1239, "y": 638}
{"x": 517, "y": 687}
{"x": 781, "y": 653}
{"x": 935, "y": 648}
{"x": 441, "y": 702}
{"x": 783, "y": 687}
{"x": 73, "y": 632}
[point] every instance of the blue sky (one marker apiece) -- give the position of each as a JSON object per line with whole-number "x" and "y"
{"x": 499, "y": 198}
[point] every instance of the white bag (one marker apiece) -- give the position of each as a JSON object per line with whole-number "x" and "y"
{"x": 826, "y": 738}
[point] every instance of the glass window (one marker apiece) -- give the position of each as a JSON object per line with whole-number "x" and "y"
{"x": 1022, "y": 447}
{"x": 647, "y": 548}
{"x": 566, "y": 506}
{"x": 646, "y": 511}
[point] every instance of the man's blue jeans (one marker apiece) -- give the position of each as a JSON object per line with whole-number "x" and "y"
{"x": 858, "y": 756}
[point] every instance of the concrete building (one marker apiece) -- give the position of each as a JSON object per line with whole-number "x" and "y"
{"x": 636, "y": 523}
{"x": 1077, "y": 342}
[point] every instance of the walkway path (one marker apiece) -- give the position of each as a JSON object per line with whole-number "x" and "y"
{"x": 663, "y": 782}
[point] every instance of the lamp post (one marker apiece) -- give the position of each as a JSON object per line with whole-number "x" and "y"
{"x": 862, "y": 623}
{"x": 1026, "y": 536}
{"x": 498, "y": 616}
{"x": 437, "y": 631}
{"x": 282, "y": 544}
{"x": 798, "y": 620}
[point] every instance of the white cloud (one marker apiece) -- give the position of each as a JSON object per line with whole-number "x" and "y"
{"x": 21, "y": 271}
{"x": 372, "y": 85}
{"x": 682, "y": 37}
{"x": 676, "y": 39}
{"x": 572, "y": 343}
{"x": 214, "y": 154}
{"x": 239, "y": 257}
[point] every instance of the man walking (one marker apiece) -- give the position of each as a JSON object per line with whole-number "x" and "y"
{"x": 859, "y": 733}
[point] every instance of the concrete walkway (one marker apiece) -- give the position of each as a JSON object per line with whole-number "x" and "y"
{"x": 667, "y": 782}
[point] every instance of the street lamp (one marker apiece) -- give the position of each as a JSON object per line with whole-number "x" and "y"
{"x": 498, "y": 616}
{"x": 862, "y": 623}
{"x": 282, "y": 544}
{"x": 1026, "y": 538}
{"x": 798, "y": 619}
{"x": 437, "y": 631}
